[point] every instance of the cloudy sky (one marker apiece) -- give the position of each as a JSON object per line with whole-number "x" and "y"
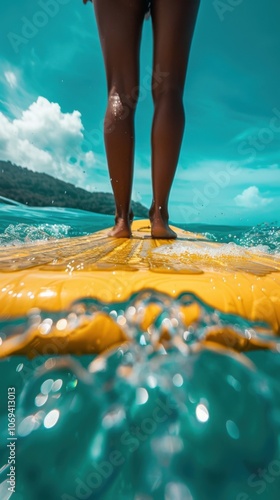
{"x": 53, "y": 98}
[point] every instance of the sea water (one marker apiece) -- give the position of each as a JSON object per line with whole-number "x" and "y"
{"x": 149, "y": 420}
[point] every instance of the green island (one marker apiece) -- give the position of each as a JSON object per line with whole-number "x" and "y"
{"x": 42, "y": 190}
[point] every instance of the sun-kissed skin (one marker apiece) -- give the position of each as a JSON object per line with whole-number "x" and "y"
{"x": 120, "y": 24}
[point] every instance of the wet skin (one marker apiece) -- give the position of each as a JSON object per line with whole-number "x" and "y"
{"x": 120, "y": 26}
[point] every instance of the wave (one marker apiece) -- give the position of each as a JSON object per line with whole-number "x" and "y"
{"x": 264, "y": 237}
{"x": 162, "y": 416}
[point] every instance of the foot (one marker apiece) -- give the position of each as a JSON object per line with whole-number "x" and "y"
{"x": 159, "y": 226}
{"x": 122, "y": 227}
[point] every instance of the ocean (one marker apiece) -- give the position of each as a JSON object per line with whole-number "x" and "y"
{"x": 182, "y": 422}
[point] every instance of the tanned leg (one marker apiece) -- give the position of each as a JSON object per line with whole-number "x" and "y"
{"x": 120, "y": 24}
{"x": 173, "y": 25}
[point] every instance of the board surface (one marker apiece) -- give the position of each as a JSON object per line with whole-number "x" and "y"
{"x": 52, "y": 275}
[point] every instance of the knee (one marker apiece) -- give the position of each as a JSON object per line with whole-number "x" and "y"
{"x": 116, "y": 105}
{"x": 167, "y": 93}
{"x": 121, "y": 103}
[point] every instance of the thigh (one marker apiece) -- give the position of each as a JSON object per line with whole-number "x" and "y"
{"x": 120, "y": 24}
{"x": 173, "y": 25}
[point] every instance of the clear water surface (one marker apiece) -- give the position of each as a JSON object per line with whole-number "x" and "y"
{"x": 149, "y": 420}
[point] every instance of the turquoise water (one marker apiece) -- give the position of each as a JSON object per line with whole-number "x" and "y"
{"x": 20, "y": 224}
{"x": 151, "y": 420}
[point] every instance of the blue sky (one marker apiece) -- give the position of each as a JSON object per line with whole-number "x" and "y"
{"x": 53, "y": 99}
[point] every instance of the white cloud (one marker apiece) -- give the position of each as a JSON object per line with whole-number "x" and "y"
{"x": 11, "y": 78}
{"x": 251, "y": 198}
{"x": 44, "y": 139}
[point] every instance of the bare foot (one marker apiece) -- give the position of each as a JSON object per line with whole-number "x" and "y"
{"x": 121, "y": 228}
{"x": 160, "y": 228}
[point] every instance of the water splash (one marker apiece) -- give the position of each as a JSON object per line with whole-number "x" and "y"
{"x": 223, "y": 250}
{"x": 154, "y": 321}
{"x": 20, "y": 234}
{"x": 162, "y": 416}
{"x": 263, "y": 237}
{"x": 18, "y": 220}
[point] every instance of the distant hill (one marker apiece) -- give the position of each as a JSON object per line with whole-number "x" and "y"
{"x": 42, "y": 190}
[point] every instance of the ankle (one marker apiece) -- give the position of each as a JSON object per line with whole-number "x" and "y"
{"x": 126, "y": 215}
{"x": 158, "y": 212}
{"x": 122, "y": 217}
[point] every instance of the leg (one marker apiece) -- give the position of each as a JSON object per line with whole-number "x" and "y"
{"x": 173, "y": 26}
{"x": 120, "y": 25}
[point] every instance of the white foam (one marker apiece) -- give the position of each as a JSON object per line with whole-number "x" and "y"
{"x": 23, "y": 234}
{"x": 208, "y": 250}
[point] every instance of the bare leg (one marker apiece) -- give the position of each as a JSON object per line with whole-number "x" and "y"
{"x": 120, "y": 25}
{"x": 173, "y": 26}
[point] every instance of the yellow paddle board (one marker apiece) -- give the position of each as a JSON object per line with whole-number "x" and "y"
{"x": 52, "y": 275}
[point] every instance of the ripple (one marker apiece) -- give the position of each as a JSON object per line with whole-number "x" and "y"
{"x": 165, "y": 415}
